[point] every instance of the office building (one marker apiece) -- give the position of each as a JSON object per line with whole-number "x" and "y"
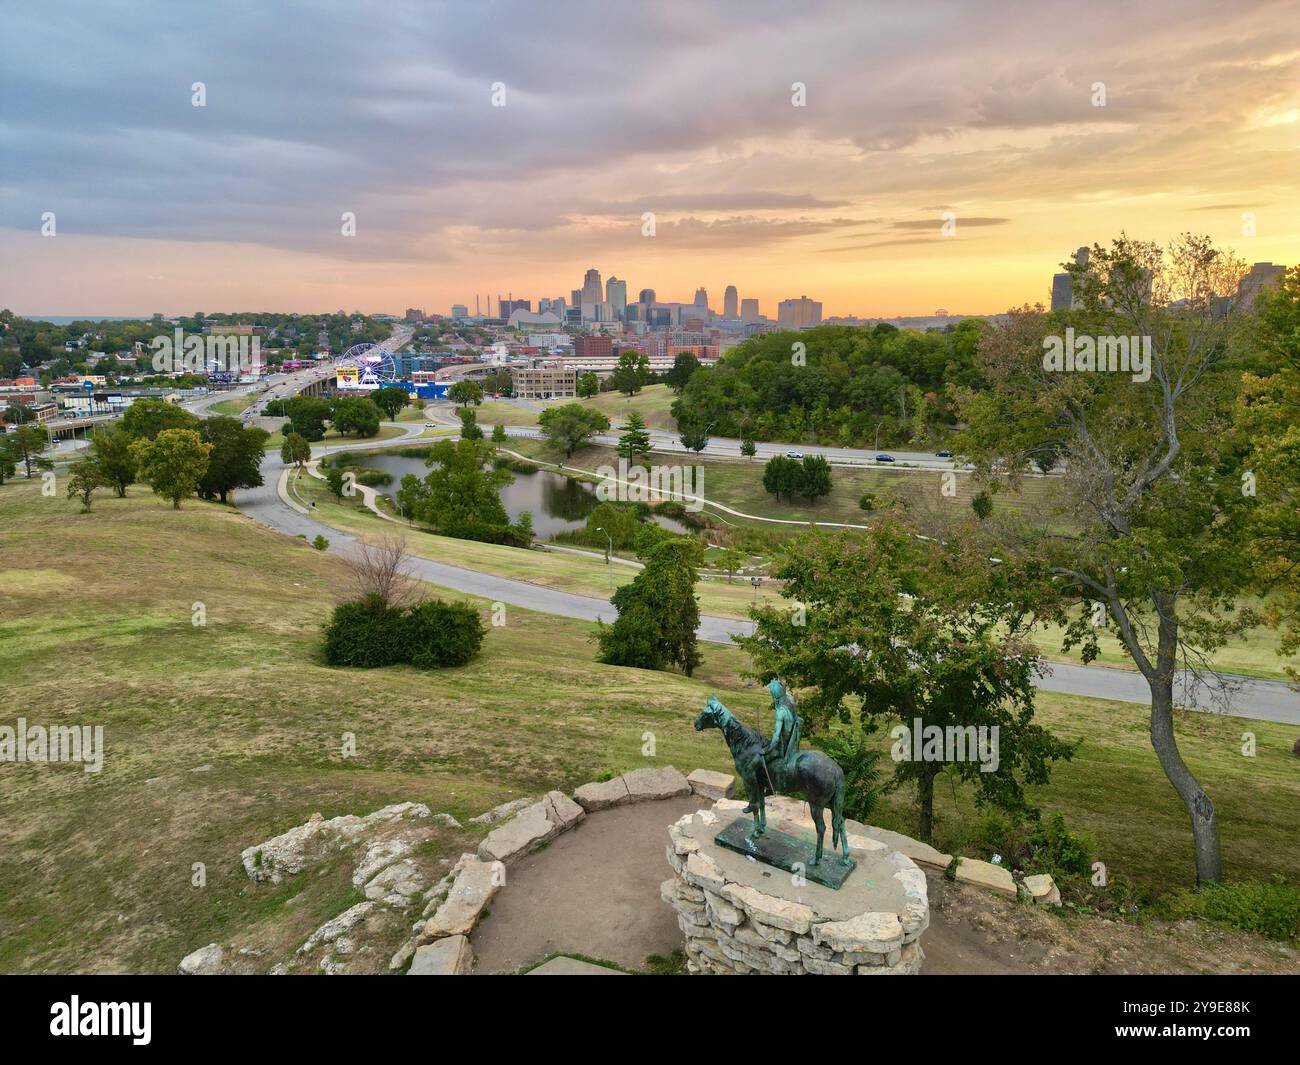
{"x": 545, "y": 382}
{"x": 729, "y": 301}
{"x": 798, "y": 314}
{"x": 749, "y": 311}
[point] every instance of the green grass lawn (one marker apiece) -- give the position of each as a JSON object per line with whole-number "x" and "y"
{"x": 234, "y": 406}
{"x": 653, "y": 403}
{"x": 219, "y": 736}
{"x": 499, "y": 412}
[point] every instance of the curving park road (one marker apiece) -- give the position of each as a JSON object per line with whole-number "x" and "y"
{"x": 1262, "y": 700}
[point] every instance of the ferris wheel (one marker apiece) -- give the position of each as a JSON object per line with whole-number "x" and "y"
{"x": 375, "y": 366}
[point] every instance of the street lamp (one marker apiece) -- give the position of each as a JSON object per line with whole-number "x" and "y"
{"x": 756, "y": 581}
{"x": 608, "y": 551}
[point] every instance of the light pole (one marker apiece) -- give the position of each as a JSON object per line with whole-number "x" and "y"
{"x": 756, "y": 581}
{"x": 608, "y": 551}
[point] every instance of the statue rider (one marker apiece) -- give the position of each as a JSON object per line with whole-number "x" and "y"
{"x": 783, "y": 748}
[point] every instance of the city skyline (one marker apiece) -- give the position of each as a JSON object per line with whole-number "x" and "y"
{"x": 887, "y": 164}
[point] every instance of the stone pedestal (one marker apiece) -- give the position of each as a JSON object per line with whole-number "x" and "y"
{"x": 742, "y": 916}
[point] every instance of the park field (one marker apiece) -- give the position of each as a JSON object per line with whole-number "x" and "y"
{"x": 220, "y": 735}
{"x": 653, "y": 403}
{"x": 584, "y": 574}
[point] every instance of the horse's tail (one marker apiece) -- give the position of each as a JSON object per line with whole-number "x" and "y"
{"x": 837, "y": 814}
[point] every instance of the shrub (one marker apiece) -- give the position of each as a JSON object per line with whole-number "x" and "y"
{"x": 1272, "y": 910}
{"x": 320, "y": 543}
{"x": 860, "y": 762}
{"x": 364, "y": 633}
{"x": 437, "y": 634}
{"x": 1055, "y": 849}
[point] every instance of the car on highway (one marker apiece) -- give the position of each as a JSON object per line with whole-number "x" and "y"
{"x": 794, "y": 454}
{"x": 882, "y": 457}
{"x": 943, "y": 454}
{"x": 431, "y": 425}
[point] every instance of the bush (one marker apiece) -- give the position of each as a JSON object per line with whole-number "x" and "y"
{"x": 437, "y": 634}
{"x": 1055, "y": 849}
{"x": 1272, "y": 910}
{"x": 366, "y": 634}
{"x": 860, "y": 762}
{"x": 320, "y": 543}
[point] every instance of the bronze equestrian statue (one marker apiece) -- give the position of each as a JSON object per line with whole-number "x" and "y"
{"x": 769, "y": 767}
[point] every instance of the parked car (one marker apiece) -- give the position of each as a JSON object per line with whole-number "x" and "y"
{"x": 884, "y": 458}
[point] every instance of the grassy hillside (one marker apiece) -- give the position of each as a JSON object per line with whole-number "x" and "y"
{"x": 222, "y": 735}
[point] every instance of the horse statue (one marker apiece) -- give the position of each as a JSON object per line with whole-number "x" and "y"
{"x": 811, "y": 774}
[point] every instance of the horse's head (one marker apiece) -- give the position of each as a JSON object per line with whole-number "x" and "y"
{"x": 711, "y": 715}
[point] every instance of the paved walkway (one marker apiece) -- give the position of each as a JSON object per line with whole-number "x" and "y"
{"x": 595, "y": 892}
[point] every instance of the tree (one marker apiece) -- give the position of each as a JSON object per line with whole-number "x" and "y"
{"x": 631, "y": 371}
{"x": 27, "y": 442}
{"x": 352, "y": 414}
{"x": 684, "y": 366}
{"x": 465, "y": 392}
{"x": 1269, "y": 430}
{"x": 982, "y": 503}
{"x": 1154, "y": 551}
{"x": 588, "y": 385}
{"x": 295, "y": 450}
{"x": 390, "y": 399}
{"x": 17, "y": 413}
{"x": 336, "y": 481}
{"x": 235, "y": 459}
{"x": 569, "y": 426}
{"x": 307, "y": 416}
{"x": 144, "y": 419}
{"x": 781, "y": 476}
{"x": 8, "y": 458}
{"x": 635, "y": 441}
{"x": 814, "y": 478}
{"x": 499, "y": 433}
{"x": 658, "y": 612}
{"x": 730, "y": 560}
{"x": 460, "y": 496}
{"x": 693, "y": 435}
{"x": 469, "y": 429}
{"x": 83, "y": 478}
{"x": 930, "y": 633}
{"x": 110, "y": 445}
{"x": 172, "y": 463}
{"x": 748, "y": 448}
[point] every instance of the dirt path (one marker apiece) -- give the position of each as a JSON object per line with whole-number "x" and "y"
{"x": 595, "y": 892}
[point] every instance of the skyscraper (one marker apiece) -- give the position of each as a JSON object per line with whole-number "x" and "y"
{"x": 749, "y": 311}
{"x": 616, "y": 297}
{"x": 798, "y": 314}
{"x": 647, "y": 296}
{"x": 729, "y": 299}
{"x": 1063, "y": 284}
{"x": 592, "y": 295}
{"x": 701, "y": 297}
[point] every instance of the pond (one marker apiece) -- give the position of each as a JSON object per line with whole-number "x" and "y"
{"x": 557, "y": 503}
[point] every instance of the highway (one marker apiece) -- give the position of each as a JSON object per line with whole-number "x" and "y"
{"x": 1263, "y": 700}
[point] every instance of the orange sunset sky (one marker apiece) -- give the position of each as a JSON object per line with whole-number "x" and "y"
{"x": 987, "y": 111}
